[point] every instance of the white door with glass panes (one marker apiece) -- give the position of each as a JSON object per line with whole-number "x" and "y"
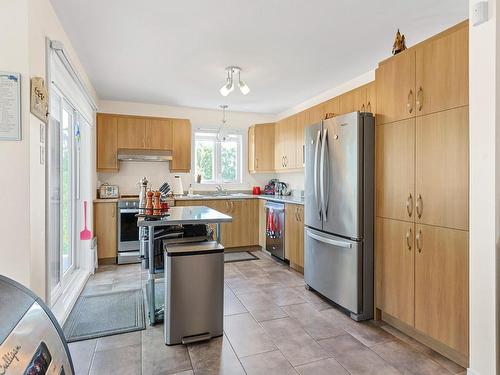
{"x": 63, "y": 170}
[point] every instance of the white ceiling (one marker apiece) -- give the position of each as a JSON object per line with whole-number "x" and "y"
{"x": 175, "y": 51}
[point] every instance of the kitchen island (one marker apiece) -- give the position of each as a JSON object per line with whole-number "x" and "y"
{"x": 177, "y": 216}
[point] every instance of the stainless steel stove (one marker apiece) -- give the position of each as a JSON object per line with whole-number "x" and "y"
{"x": 128, "y": 232}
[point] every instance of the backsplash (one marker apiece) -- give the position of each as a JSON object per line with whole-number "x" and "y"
{"x": 159, "y": 172}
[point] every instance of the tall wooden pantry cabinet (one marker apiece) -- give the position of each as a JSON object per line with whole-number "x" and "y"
{"x": 422, "y": 192}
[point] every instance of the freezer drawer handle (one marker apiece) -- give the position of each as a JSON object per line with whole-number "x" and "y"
{"x": 329, "y": 240}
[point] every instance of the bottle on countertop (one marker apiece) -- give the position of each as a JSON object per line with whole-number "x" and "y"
{"x": 190, "y": 190}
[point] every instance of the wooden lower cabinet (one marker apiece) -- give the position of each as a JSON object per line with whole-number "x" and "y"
{"x": 105, "y": 229}
{"x": 441, "y": 285}
{"x": 422, "y": 283}
{"x": 243, "y": 229}
{"x": 396, "y": 254}
{"x": 294, "y": 235}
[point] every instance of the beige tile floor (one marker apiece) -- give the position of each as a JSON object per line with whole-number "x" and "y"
{"x": 272, "y": 325}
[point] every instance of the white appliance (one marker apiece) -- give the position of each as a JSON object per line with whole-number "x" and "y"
{"x": 177, "y": 188}
{"x": 339, "y": 211}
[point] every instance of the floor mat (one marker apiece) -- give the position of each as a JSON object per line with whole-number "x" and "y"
{"x": 239, "y": 256}
{"x": 105, "y": 314}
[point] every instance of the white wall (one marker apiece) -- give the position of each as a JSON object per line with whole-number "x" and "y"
{"x": 25, "y": 25}
{"x": 157, "y": 173}
{"x": 14, "y": 155}
{"x": 484, "y": 112}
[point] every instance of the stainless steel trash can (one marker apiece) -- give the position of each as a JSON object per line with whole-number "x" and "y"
{"x": 194, "y": 292}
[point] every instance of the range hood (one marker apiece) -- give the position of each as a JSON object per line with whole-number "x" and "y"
{"x": 144, "y": 155}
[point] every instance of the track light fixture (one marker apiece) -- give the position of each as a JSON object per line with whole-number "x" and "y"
{"x": 229, "y": 85}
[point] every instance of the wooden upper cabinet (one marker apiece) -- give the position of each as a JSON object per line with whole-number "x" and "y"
{"x": 279, "y": 145}
{"x": 291, "y": 143}
{"x": 300, "y": 138}
{"x": 330, "y": 107}
{"x": 442, "y": 71}
{"x": 396, "y": 250}
{"x": 131, "y": 133}
{"x": 285, "y": 150}
{"x": 395, "y": 80}
{"x": 354, "y": 100}
{"x": 107, "y": 160}
{"x": 395, "y": 170}
{"x": 441, "y": 285}
{"x": 261, "y": 148}
{"x": 442, "y": 169}
{"x": 251, "y": 149}
{"x": 159, "y": 134}
{"x": 315, "y": 114}
{"x": 181, "y": 147}
{"x": 371, "y": 97}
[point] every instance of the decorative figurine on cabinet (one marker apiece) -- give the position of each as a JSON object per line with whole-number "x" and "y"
{"x": 399, "y": 43}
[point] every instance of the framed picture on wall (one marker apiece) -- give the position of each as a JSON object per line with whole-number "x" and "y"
{"x": 39, "y": 103}
{"x": 10, "y": 106}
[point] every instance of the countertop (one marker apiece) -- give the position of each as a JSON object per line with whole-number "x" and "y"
{"x": 274, "y": 198}
{"x": 187, "y": 215}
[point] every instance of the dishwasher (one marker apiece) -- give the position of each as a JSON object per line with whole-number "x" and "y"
{"x": 275, "y": 229}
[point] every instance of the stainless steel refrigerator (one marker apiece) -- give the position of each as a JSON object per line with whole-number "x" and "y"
{"x": 339, "y": 211}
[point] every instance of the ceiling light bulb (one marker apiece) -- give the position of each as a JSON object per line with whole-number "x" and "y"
{"x": 243, "y": 87}
{"x": 226, "y": 89}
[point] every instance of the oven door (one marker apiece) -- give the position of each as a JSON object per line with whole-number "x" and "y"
{"x": 128, "y": 232}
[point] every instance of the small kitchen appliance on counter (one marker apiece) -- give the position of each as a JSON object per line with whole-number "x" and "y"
{"x": 107, "y": 191}
{"x": 177, "y": 188}
{"x": 31, "y": 340}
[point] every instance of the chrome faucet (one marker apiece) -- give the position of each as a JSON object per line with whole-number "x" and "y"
{"x": 220, "y": 189}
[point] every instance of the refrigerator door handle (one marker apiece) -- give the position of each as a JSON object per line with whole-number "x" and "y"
{"x": 315, "y": 177}
{"x": 329, "y": 241}
{"x": 325, "y": 169}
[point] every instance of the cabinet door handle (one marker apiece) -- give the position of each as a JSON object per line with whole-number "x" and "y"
{"x": 408, "y": 235}
{"x": 256, "y": 162}
{"x": 369, "y": 107}
{"x": 227, "y": 206}
{"x": 409, "y": 205}
{"x": 286, "y": 161}
{"x": 409, "y": 104}
{"x": 419, "y": 206}
{"x": 283, "y": 161}
{"x": 232, "y": 206}
{"x": 418, "y": 238}
{"x": 420, "y": 98}
{"x": 363, "y": 108}
{"x": 296, "y": 214}
{"x": 113, "y": 213}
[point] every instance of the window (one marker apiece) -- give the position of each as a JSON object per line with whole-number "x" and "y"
{"x": 217, "y": 161}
